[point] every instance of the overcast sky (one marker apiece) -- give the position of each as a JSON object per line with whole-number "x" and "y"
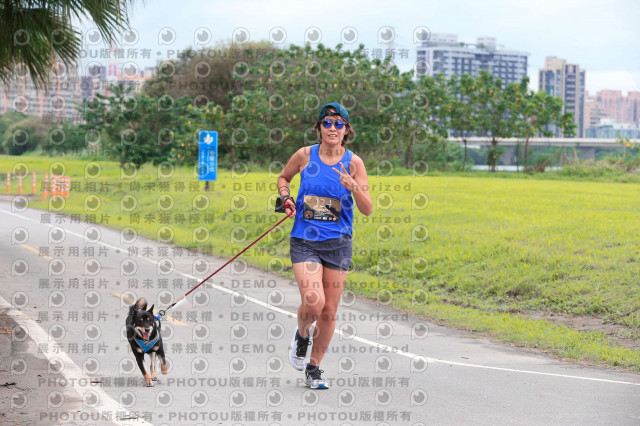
{"x": 601, "y": 36}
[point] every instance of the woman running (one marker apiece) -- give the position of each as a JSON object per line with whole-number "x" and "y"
{"x": 331, "y": 177}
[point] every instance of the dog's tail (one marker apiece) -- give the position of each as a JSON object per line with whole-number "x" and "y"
{"x": 140, "y": 305}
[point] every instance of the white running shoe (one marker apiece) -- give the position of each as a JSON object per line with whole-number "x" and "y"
{"x": 298, "y": 352}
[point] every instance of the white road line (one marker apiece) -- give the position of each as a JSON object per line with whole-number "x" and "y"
{"x": 70, "y": 371}
{"x": 386, "y": 348}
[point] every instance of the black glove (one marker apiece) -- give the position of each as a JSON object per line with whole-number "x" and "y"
{"x": 280, "y": 203}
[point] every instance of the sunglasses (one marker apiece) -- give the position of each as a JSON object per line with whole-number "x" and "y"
{"x": 338, "y": 123}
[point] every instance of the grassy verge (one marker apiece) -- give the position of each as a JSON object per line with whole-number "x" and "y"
{"x": 475, "y": 253}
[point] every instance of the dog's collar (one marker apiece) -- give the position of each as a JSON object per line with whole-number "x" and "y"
{"x": 147, "y": 344}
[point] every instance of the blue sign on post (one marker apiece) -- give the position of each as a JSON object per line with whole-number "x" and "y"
{"x": 208, "y": 155}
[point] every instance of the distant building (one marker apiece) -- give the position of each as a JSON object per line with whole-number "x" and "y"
{"x": 442, "y": 53}
{"x": 610, "y": 129}
{"x": 67, "y": 89}
{"x": 57, "y": 102}
{"x": 611, "y": 104}
{"x": 593, "y": 112}
{"x": 94, "y": 80}
{"x": 566, "y": 81}
{"x": 101, "y": 78}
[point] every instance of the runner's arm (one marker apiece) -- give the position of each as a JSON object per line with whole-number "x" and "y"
{"x": 284, "y": 180}
{"x": 361, "y": 191}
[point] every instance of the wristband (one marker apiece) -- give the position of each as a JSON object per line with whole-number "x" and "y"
{"x": 280, "y": 203}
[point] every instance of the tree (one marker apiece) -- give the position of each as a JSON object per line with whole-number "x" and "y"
{"x": 463, "y": 109}
{"x": 135, "y": 129}
{"x": 535, "y": 112}
{"x": 64, "y": 137}
{"x": 38, "y": 33}
{"x": 25, "y": 135}
{"x": 495, "y": 116}
{"x": 286, "y": 88}
{"x": 629, "y": 147}
{"x": 6, "y": 120}
{"x": 243, "y": 133}
{"x": 193, "y": 120}
{"x": 429, "y": 115}
{"x": 207, "y": 75}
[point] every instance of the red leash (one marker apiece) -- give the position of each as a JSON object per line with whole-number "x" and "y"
{"x": 161, "y": 313}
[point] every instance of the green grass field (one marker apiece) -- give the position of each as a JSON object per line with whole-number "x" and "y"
{"x": 483, "y": 254}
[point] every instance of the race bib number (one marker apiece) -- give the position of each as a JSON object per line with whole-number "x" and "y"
{"x": 321, "y": 208}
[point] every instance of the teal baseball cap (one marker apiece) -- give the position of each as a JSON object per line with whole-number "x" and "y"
{"x": 341, "y": 111}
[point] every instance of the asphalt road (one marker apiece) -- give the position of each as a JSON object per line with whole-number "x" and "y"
{"x": 64, "y": 292}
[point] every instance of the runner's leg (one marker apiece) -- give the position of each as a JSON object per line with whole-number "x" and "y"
{"x": 333, "y": 284}
{"x": 312, "y": 299}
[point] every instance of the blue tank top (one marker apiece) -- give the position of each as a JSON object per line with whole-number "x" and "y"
{"x": 324, "y": 207}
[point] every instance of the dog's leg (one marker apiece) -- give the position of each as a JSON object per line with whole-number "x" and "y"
{"x": 143, "y": 368}
{"x": 163, "y": 363}
{"x": 154, "y": 377}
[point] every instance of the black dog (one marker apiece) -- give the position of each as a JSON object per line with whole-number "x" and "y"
{"x": 144, "y": 337}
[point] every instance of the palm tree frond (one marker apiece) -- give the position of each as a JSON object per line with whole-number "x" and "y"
{"x": 38, "y": 33}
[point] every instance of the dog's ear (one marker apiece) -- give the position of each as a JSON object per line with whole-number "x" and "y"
{"x": 151, "y": 309}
